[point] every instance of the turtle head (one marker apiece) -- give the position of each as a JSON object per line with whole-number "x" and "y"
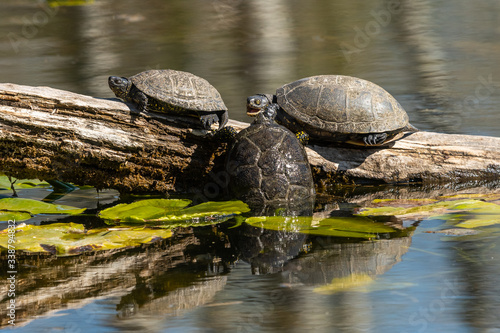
{"x": 120, "y": 86}
{"x": 257, "y": 104}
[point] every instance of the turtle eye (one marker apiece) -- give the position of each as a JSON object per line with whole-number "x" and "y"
{"x": 257, "y": 101}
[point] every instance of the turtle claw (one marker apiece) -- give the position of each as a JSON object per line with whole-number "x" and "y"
{"x": 208, "y": 120}
{"x": 374, "y": 139}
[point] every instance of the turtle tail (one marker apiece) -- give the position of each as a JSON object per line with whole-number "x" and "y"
{"x": 410, "y": 128}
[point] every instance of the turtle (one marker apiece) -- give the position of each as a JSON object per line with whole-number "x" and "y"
{"x": 175, "y": 92}
{"x": 268, "y": 166}
{"x": 337, "y": 109}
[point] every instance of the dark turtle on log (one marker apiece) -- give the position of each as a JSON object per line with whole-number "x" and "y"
{"x": 175, "y": 92}
{"x": 268, "y": 166}
{"x": 337, "y": 109}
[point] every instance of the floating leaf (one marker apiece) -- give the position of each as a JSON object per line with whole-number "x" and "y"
{"x": 403, "y": 201}
{"x": 489, "y": 197}
{"x": 21, "y": 183}
{"x": 361, "y": 283}
{"x": 143, "y": 210}
{"x": 211, "y": 209}
{"x": 354, "y": 227}
{"x": 14, "y": 216}
{"x": 430, "y": 209}
{"x": 418, "y": 210}
{"x": 173, "y": 211}
{"x": 476, "y": 213}
{"x": 281, "y": 223}
{"x": 28, "y": 237}
{"x": 482, "y": 222}
{"x": 484, "y": 214}
{"x": 359, "y": 225}
{"x": 347, "y": 283}
{"x": 61, "y": 3}
{"x": 70, "y": 238}
{"x": 379, "y": 211}
{"x": 37, "y": 207}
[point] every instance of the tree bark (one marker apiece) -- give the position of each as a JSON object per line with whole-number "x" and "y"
{"x": 54, "y": 134}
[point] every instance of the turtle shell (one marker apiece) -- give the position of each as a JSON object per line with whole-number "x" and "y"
{"x": 332, "y": 104}
{"x": 268, "y": 166}
{"x": 182, "y": 90}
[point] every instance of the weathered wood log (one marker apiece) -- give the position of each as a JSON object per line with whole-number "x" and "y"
{"x": 53, "y": 134}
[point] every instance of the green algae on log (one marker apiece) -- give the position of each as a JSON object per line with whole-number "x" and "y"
{"x": 47, "y": 133}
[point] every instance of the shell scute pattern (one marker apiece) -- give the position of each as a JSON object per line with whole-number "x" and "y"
{"x": 181, "y": 89}
{"x": 270, "y": 170}
{"x": 342, "y": 104}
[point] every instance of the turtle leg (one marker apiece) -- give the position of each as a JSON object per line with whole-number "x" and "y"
{"x": 303, "y": 137}
{"x": 225, "y": 134}
{"x": 208, "y": 119}
{"x": 141, "y": 100}
{"x": 374, "y": 139}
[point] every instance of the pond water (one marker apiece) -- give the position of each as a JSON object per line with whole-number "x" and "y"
{"x": 438, "y": 58}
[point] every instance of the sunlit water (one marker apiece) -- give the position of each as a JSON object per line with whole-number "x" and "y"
{"x": 438, "y": 58}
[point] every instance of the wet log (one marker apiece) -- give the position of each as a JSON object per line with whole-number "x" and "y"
{"x": 54, "y": 134}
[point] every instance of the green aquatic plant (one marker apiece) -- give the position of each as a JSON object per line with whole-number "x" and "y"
{"x": 6, "y": 183}
{"x": 480, "y": 214}
{"x": 172, "y": 211}
{"x": 24, "y": 207}
{"x": 14, "y": 216}
{"x": 65, "y": 239}
{"x": 143, "y": 210}
{"x": 353, "y": 282}
{"x": 466, "y": 211}
{"x": 417, "y": 209}
{"x": 360, "y": 283}
{"x": 353, "y": 227}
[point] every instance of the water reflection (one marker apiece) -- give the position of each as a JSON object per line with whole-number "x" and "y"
{"x": 150, "y": 284}
{"x": 479, "y": 265}
{"x": 229, "y": 276}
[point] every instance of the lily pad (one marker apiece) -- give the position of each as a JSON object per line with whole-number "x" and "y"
{"x": 281, "y": 223}
{"x": 71, "y": 238}
{"x": 417, "y": 210}
{"x": 465, "y": 213}
{"x": 143, "y": 210}
{"x": 361, "y": 283}
{"x": 14, "y": 216}
{"x": 168, "y": 211}
{"x": 483, "y": 214}
{"x": 488, "y": 197}
{"x": 347, "y": 283}
{"x": 430, "y": 209}
{"x": 36, "y": 207}
{"x": 353, "y": 227}
{"x": 21, "y": 183}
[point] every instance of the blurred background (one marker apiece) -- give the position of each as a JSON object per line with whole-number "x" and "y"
{"x": 439, "y": 58}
